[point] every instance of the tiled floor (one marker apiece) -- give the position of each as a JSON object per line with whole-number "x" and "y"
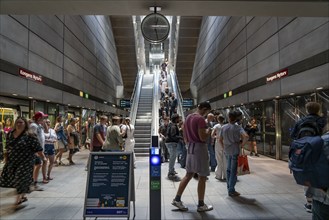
{"x": 269, "y": 192}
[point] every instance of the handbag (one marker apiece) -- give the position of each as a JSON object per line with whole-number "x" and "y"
{"x": 243, "y": 165}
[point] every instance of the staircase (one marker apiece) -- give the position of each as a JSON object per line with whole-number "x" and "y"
{"x": 144, "y": 118}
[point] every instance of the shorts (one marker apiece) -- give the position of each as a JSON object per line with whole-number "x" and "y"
{"x": 37, "y": 160}
{"x": 252, "y": 138}
{"x": 49, "y": 150}
{"x": 197, "y": 160}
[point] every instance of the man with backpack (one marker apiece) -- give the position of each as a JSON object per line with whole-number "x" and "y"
{"x": 320, "y": 204}
{"x": 310, "y": 126}
{"x": 172, "y": 140}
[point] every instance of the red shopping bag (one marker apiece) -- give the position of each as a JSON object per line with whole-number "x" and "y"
{"x": 243, "y": 165}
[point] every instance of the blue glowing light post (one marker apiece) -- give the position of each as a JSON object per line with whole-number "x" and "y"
{"x": 155, "y": 179}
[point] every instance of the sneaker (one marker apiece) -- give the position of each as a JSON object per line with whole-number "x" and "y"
{"x": 308, "y": 208}
{"x": 234, "y": 194}
{"x": 179, "y": 205}
{"x": 205, "y": 208}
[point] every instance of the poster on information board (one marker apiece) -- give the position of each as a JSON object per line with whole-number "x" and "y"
{"x": 109, "y": 181}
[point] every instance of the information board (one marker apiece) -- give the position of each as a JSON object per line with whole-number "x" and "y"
{"x": 110, "y": 185}
{"x": 188, "y": 103}
{"x": 125, "y": 103}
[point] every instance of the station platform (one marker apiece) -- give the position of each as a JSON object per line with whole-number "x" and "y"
{"x": 269, "y": 192}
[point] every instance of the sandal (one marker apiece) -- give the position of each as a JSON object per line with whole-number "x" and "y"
{"x": 23, "y": 199}
{"x": 45, "y": 181}
{"x": 18, "y": 207}
{"x": 49, "y": 178}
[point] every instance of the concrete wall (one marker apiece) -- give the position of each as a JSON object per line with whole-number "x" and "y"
{"x": 233, "y": 51}
{"x": 78, "y": 51}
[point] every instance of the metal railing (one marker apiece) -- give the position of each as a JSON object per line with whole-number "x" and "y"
{"x": 155, "y": 104}
{"x": 178, "y": 94}
{"x": 135, "y": 97}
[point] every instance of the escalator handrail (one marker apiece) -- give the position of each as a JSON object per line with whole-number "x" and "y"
{"x": 155, "y": 103}
{"x": 178, "y": 94}
{"x": 135, "y": 97}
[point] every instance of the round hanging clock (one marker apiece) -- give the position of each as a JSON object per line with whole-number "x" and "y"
{"x": 155, "y": 28}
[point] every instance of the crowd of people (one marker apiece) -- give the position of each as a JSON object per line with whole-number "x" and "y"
{"x": 29, "y": 146}
{"x": 211, "y": 145}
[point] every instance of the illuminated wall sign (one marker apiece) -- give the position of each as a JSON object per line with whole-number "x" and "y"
{"x": 81, "y": 94}
{"x": 125, "y": 103}
{"x": 225, "y": 95}
{"x": 86, "y": 96}
{"x": 188, "y": 103}
{"x": 277, "y": 75}
{"x": 230, "y": 93}
{"x": 30, "y": 75}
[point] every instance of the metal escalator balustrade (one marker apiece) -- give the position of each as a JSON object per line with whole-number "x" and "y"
{"x": 144, "y": 117}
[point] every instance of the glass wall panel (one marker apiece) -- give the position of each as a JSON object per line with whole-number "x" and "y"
{"x": 269, "y": 133}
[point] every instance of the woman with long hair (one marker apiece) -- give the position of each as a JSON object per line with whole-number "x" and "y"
{"x": 50, "y": 139}
{"x": 251, "y": 129}
{"x": 61, "y": 140}
{"x": 130, "y": 139}
{"x": 21, "y": 148}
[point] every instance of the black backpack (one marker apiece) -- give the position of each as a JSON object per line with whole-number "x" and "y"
{"x": 308, "y": 163}
{"x": 308, "y": 127}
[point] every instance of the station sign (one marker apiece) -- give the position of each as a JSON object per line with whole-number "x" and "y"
{"x": 30, "y": 75}
{"x": 277, "y": 75}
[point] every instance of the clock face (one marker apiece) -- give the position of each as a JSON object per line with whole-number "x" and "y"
{"x": 155, "y": 28}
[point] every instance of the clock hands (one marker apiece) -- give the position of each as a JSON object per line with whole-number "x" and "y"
{"x": 155, "y": 28}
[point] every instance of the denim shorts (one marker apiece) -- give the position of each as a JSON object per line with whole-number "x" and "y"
{"x": 49, "y": 150}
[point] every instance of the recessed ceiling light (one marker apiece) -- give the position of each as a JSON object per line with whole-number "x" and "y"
{"x": 47, "y": 100}
{"x": 113, "y": 105}
{"x": 30, "y": 97}
{"x": 14, "y": 94}
{"x": 68, "y": 104}
{"x": 277, "y": 96}
{"x": 261, "y": 100}
{"x": 292, "y": 93}
{"x": 319, "y": 88}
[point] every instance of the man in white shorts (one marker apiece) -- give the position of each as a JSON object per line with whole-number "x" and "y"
{"x": 195, "y": 134}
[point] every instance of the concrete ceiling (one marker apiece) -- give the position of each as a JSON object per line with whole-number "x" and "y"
{"x": 312, "y": 8}
{"x": 191, "y": 12}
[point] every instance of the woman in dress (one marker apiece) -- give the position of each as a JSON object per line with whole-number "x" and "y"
{"x": 130, "y": 140}
{"x": 72, "y": 139}
{"x": 21, "y": 148}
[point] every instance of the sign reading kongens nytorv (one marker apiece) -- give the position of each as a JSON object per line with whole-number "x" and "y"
{"x": 30, "y": 75}
{"x": 277, "y": 75}
{"x": 108, "y": 185}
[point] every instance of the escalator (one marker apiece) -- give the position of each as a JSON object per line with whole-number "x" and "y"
{"x": 144, "y": 117}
